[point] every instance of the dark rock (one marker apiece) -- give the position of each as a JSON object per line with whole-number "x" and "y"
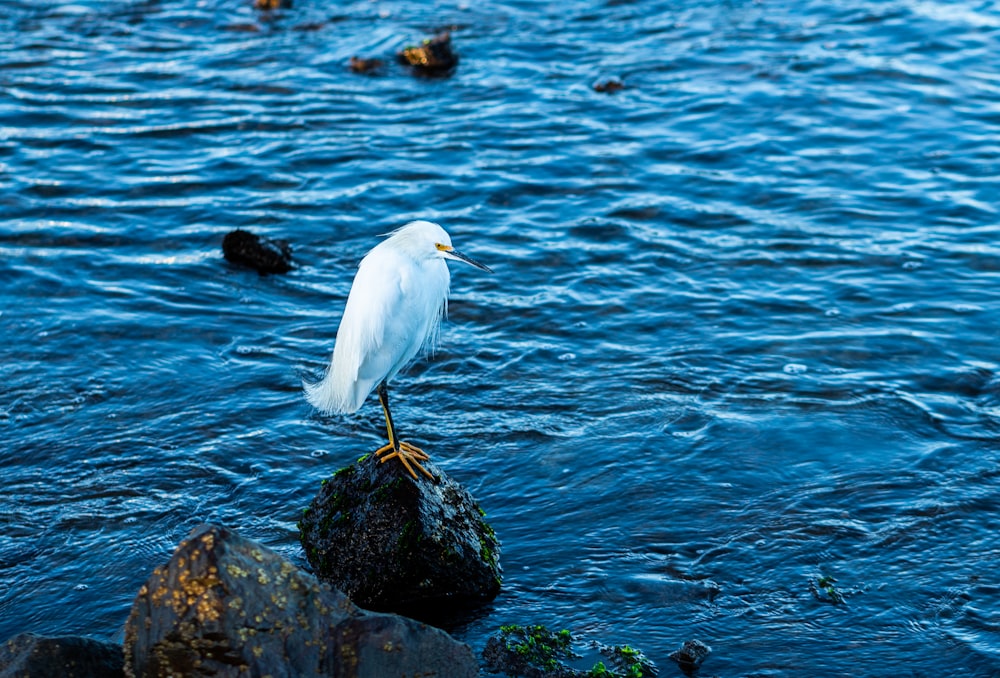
{"x": 609, "y": 86}
{"x": 690, "y": 656}
{"x": 367, "y": 66}
{"x": 380, "y": 645}
{"x": 261, "y": 254}
{"x": 393, "y": 543}
{"x": 226, "y": 606}
{"x": 31, "y": 656}
{"x": 432, "y": 57}
{"x": 536, "y": 652}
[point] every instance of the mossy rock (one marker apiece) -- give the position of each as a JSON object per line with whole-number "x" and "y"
{"x": 537, "y": 652}
{"x": 398, "y": 544}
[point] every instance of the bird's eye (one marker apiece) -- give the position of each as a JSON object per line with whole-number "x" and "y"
{"x": 444, "y": 248}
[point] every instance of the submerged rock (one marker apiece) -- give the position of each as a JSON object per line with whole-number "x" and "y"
{"x": 530, "y": 651}
{"x": 263, "y": 255}
{"x": 30, "y": 656}
{"x": 366, "y": 66}
{"x": 433, "y": 56}
{"x": 609, "y": 86}
{"x": 226, "y": 606}
{"x": 690, "y": 656}
{"x": 536, "y": 652}
{"x": 393, "y": 543}
{"x": 825, "y": 590}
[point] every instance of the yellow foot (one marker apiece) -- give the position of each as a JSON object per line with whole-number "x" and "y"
{"x": 408, "y": 454}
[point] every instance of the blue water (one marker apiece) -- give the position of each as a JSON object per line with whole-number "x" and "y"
{"x": 742, "y": 332}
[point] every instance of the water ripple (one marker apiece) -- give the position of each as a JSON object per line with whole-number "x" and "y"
{"x": 740, "y": 337}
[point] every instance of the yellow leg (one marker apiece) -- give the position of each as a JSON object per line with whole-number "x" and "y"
{"x": 406, "y": 453}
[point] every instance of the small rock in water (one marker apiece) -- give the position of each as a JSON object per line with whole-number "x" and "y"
{"x": 824, "y": 589}
{"x": 31, "y": 656}
{"x": 691, "y": 655}
{"x": 433, "y": 56}
{"x": 227, "y": 607}
{"x": 272, "y": 4}
{"x": 366, "y": 66}
{"x": 609, "y": 86}
{"x": 261, "y": 254}
{"x": 392, "y": 543}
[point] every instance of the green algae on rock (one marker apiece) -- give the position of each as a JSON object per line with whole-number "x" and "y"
{"x": 536, "y": 652}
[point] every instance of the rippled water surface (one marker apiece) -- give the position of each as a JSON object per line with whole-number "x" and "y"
{"x": 742, "y": 333}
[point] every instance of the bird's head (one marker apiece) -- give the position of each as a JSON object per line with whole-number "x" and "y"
{"x": 425, "y": 238}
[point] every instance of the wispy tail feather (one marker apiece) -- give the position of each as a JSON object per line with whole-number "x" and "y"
{"x": 323, "y": 396}
{"x": 330, "y": 396}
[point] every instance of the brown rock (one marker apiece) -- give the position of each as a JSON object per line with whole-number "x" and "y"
{"x": 226, "y": 606}
{"x": 609, "y": 86}
{"x": 432, "y": 57}
{"x": 360, "y": 65}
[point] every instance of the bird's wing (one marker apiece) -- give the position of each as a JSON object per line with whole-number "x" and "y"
{"x": 375, "y": 335}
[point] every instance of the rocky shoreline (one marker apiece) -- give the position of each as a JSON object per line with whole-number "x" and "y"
{"x": 391, "y": 554}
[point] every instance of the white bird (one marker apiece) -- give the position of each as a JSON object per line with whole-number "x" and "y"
{"x": 394, "y": 309}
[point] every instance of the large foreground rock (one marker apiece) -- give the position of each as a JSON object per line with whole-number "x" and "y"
{"x": 418, "y": 547}
{"x": 226, "y": 606}
{"x": 30, "y": 656}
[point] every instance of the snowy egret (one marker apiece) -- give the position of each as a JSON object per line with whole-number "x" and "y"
{"x": 394, "y": 309}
